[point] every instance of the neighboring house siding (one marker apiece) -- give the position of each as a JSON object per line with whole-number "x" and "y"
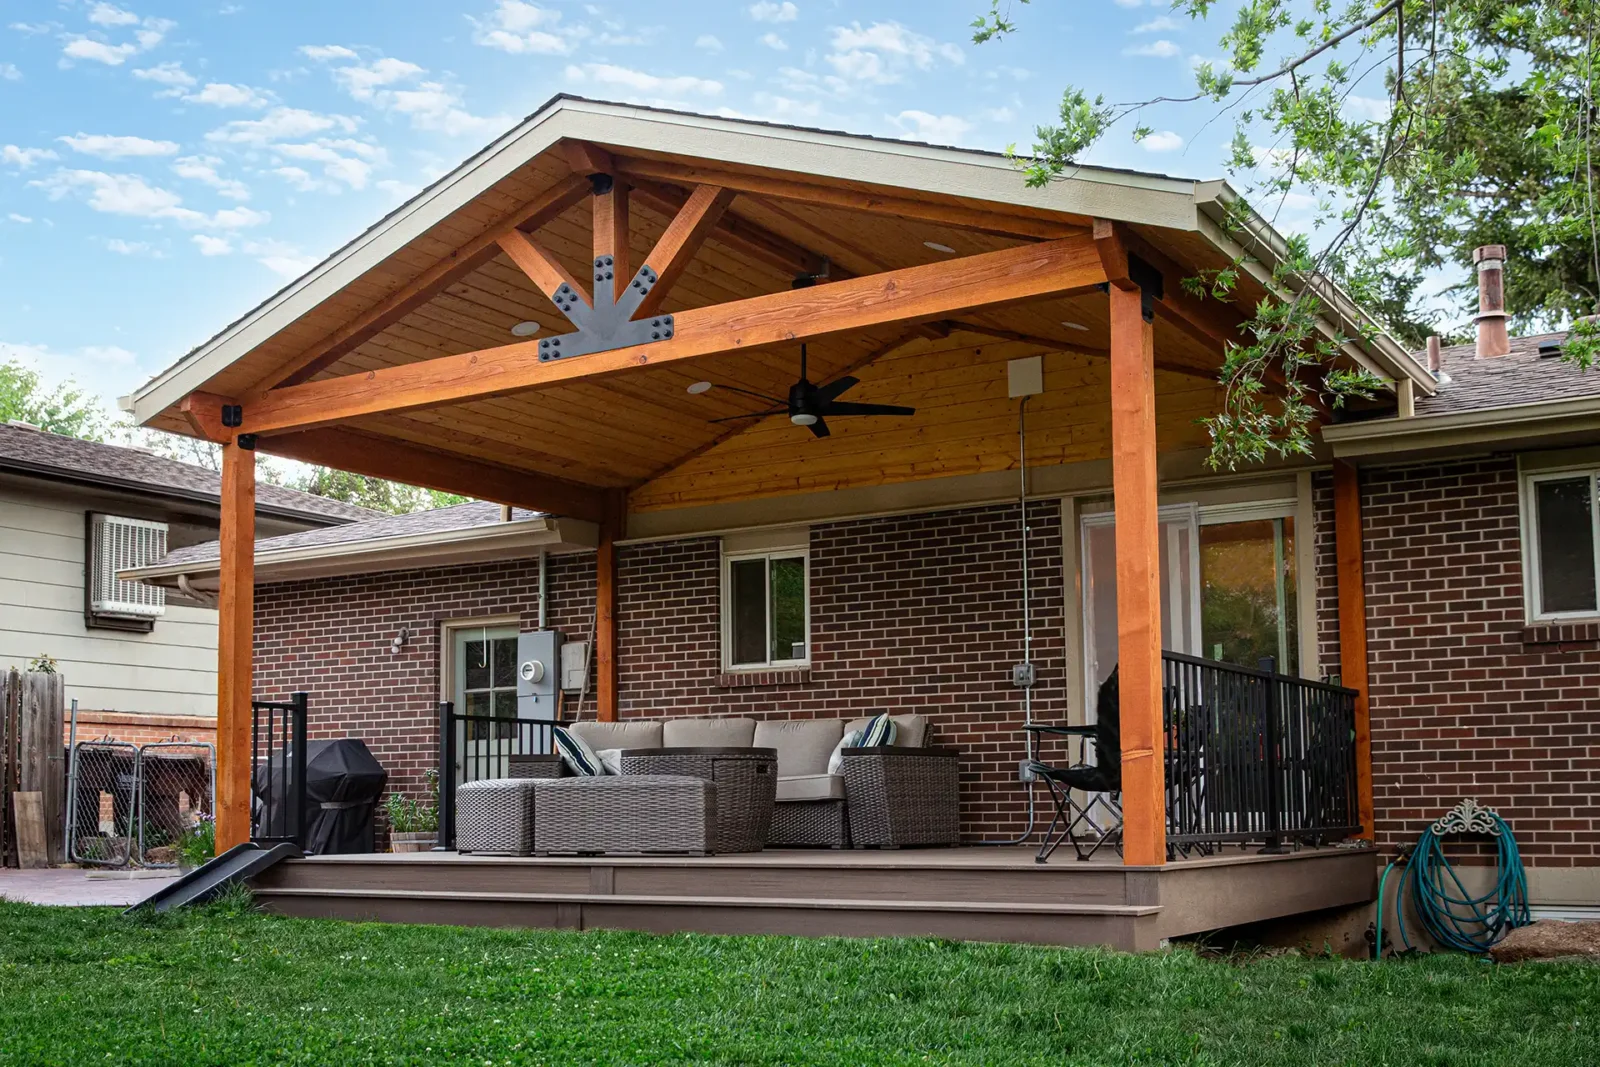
{"x": 1466, "y": 702}
{"x": 169, "y": 671}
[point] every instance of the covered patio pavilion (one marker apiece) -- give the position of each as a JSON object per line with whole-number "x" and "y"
{"x": 656, "y": 250}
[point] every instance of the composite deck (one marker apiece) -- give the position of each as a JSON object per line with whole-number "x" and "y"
{"x": 969, "y": 893}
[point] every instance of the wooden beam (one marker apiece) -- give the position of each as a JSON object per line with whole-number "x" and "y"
{"x": 913, "y": 294}
{"x": 985, "y": 220}
{"x": 203, "y": 413}
{"x": 611, "y": 240}
{"x": 585, "y": 158}
{"x": 430, "y": 283}
{"x": 1214, "y": 323}
{"x": 430, "y": 468}
{"x": 1113, "y": 255}
{"x": 682, "y": 239}
{"x": 1138, "y": 540}
{"x": 235, "y": 634}
{"x": 1351, "y": 574}
{"x": 737, "y": 233}
{"x": 540, "y": 265}
{"x": 612, "y": 529}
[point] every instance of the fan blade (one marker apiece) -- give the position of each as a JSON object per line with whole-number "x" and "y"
{"x": 832, "y": 389}
{"x": 819, "y": 428}
{"x": 752, "y": 415}
{"x": 845, "y": 407}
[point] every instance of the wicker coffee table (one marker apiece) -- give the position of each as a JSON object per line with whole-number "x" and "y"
{"x": 747, "y": 786}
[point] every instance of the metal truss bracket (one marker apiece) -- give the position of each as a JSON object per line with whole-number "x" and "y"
{"x": 608, "y": 324}
{"x": 1151, "y": 289}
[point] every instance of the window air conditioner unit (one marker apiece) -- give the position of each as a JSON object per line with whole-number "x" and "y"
{"x": 115, "y": 544}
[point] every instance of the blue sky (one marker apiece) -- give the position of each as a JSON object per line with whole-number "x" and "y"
{"x": 164, "y": 165}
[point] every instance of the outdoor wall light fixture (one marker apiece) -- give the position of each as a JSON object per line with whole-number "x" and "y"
{"x": 399, "y": 641}
{"x": 525, "y": 329}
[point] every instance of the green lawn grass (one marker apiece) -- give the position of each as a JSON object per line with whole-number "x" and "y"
{"x": 226, "y": 986}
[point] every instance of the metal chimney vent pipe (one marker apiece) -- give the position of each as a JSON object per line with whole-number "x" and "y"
{"x": 1434, "y": 358}
{"x": 1492, "y": 337}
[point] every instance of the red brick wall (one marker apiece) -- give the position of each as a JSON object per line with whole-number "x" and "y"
{"x": 1465, "y": 701}
{"x": 142, "y": 729}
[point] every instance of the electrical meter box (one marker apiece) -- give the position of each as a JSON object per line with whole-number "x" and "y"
{"x": 574, "y": 667}
{"x": 538, "y": 673}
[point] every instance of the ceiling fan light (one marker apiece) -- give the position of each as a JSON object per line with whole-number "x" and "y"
{"x": 699, "y": 387}
{"x": 937, "y": 247}
{"x": 801, "y": 418}
{"x": 525, "y": 329}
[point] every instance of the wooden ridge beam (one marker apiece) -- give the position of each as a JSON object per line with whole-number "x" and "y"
{"x": 913, "y": 294}
{"x": 430, "y": 283}
{"x": 682, "y": 239}
{"x": 399, "y": 461}
{"x": 963, "y": 216}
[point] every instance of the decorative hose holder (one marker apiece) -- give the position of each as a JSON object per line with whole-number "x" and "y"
{"x": 1451, "y": 915}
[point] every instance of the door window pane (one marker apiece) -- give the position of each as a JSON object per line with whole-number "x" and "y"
{"x": 505, "y": 663}
{"x": 1565, "y": 520}
{"x": 748, "y": 601}
{"x": 475, "y": 659}
{"x": 789, "y": 609}
{"x": 1248, "y": 602}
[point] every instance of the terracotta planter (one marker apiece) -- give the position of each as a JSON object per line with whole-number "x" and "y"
{"x": 417, "y": 841}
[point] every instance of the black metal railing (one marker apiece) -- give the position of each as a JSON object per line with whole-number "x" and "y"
{"x": 278, "y": 771}
{"x": 1256, "y": 756}
{"x": 476, "y": 747}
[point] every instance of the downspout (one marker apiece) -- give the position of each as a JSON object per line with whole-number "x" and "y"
{"x": 543, "y": 557}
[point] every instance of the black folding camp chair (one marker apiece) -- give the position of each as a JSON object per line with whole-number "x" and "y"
{"x": 1101, "y": 778}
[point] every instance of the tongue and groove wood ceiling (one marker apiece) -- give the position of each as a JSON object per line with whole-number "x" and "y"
{"x": 644, "y": 432}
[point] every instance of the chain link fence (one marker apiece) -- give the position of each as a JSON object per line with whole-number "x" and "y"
{"x": 134, "y": 804}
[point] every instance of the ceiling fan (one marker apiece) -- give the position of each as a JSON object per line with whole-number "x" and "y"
{"x": 810, "y": 405}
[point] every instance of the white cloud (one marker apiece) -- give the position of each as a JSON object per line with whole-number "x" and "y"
{"x": 1129, "y": 3}
{"x": 12, "y": 156}
{"x": 212, "y": 246}
{"x": 392, "y": 85}
{"x": 169, "y": 74}
{"x": 767, "y": 11}
{"x": 20, "y": 219}
{"x": 107, "y": 146}
{"x": 521, "y": 28}
{"x": 1162, "y": 49}
{"x": 338, "y": 166}
{"x": 940, "y": 129}
{"x": 222, "y": 94}
{"x": 397, "y": 189}
{"x": 203, "y": 169}
{"x": 99, "y": 51}
{"x": 774, "y": 41}
{"x": 131, "y": 195}
{"x": 883, "y": 52}
{"x": 639, "y": 81}
{"x": 1159, "y": 24}
{"x": 1369, "y": 108}
{"x": 128, "y": 248}
{"x": 707, "y": 43}
{"x": 10, "y": 73}
{"x": 1162, "y": 141}
{"x": 796, "y": 80}
{"x": 280, "y": 124}
{"x": 106, "y": 15}
{"x": 284, "y": 260}
{"x": 362, "y": 82}
{"x": 327, "y": 51}
{"x": 300, "y": 179}
{"x": 113, "y": 354}
{"x": 33, "y": 28}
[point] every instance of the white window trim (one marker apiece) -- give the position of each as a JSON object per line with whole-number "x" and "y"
{"x": 1528, "y": 530}
{"x": 726, "y": 609}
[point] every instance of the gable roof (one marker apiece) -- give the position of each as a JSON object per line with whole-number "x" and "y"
{"x": 29, "y": 451}
{"x": 1522, "y": 376}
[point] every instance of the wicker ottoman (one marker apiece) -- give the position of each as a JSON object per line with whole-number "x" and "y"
{"x": 902, "y": 796}
{"x": 606, "y": 815}
{"x": 747, "y": 786}
{"x": 495, "y": 816}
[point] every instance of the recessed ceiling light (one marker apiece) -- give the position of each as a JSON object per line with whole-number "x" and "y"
{"x": 699, "y": 387}
{"x": 1075, "y": 326}
{"x": 937, "y": 247}
{"x": 525, "y": 329}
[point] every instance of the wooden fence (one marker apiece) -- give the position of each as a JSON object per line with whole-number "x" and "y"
{"x": 32, "y": 761}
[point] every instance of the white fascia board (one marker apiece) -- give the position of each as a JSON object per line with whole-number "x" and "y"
{"x": 1150, "y": 200}
{"x": 550, "y": 534}
{"x": 1486, "y": 426}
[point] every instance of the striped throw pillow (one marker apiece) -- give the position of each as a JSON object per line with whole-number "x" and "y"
{"x": 880, "y": 731}
{"x": 575, "y": 752}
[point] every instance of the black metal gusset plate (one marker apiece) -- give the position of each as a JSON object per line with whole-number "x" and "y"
{"x": 608, "y": 324}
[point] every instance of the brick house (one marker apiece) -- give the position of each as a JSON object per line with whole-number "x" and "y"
{"x": 899, "y": 563}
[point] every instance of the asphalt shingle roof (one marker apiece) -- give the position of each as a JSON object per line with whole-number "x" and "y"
{"x": 29, "y": 451}
{"x": 1520, "y": 377}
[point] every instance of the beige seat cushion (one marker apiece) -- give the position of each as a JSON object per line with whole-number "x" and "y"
{"x": 708, "y": 733}
{"x": 910, "y": 731}
{"x": 803, "y": 744}
{"x": 810, "y": 786}
{"x": 601, "y": 735}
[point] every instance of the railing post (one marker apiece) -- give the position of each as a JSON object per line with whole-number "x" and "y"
{"x": 1275, "y": 843}
{"x": 447, "y": 776}
{"x": 297, "y": 785}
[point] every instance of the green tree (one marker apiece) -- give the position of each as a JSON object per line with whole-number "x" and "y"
{"x": 375, "y": 493}
{"x": 66, "y": 409}
{"x": 1475, "y": 125}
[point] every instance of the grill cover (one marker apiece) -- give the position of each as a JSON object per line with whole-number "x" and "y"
{"x": 343, "y": 783}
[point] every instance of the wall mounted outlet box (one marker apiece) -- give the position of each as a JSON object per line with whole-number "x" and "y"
{"x": 1025, "y": 771}
{"x": 574, "y": 666}
{"x": 1025, "y": 377}
{"x": 1022, "y": 675}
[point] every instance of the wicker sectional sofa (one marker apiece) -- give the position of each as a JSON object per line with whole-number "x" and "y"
{"x": 893, "y": 796}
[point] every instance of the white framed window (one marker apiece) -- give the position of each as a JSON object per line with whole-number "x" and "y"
{"x": 766, "y": 608}
{"x": 1561, "y": 544}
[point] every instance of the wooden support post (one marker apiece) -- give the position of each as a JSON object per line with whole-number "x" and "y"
{"x": 1138, "y": 539}
{"x": 235, "y": 632}
{"x": 1351, "y": 570}
{"x": 611, "y": 239}
{"x": 605, "y": 606}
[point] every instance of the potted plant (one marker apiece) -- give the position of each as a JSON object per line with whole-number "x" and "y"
{"x": 414, "y": 824}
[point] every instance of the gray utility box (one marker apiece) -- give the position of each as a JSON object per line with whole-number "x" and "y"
{"x": 538, "y": 673}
